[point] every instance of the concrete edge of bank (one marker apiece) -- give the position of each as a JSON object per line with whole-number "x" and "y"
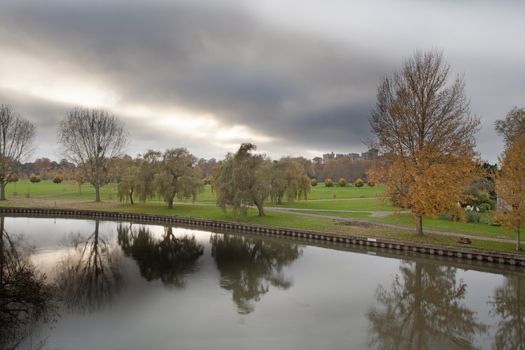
{"x": 456, "y": 252}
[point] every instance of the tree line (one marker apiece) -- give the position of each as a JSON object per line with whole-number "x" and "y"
{"x": 422, "y": 125}
{"x": 92, "y": 142}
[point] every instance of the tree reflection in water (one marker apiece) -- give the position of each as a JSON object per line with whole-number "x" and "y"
{"x": 88, "y": 278}
{"x": 423, "y": 310}
{"x": 508, "y": 303}
{"x": 169, "y": 258}
{"x": 248, "y": 267}
{"x": 25, "y": 299}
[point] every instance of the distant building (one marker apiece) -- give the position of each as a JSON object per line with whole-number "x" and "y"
{"x": 354, "y": 156}
{"x": 328, "y": 156}
{"x": 371, "y": 154}
{"x": 318, "y": 161}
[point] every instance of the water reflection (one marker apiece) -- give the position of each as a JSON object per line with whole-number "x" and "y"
{"x": 169, "y": 258}
{"x": 25, "y": 298}
{"x": 423, "y": 309}
{"x": 248, "y": 267}
{"x": 89, "y": 277}
{"x": 426, "y": 306}
{"x": 508, "y": 303}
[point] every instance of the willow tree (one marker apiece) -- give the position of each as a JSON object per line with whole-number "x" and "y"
{"x": 149, "y": 163}
{"x": 128, "y": 183}
{"x": 243, "y": 180}
{"x": 426, "y": 133}
{"x": 16, "y": 135}
{"x": 250, "y": 267}
{"x": 510, "y": 186}
{"x": 177, "y": 176}
{"x": 168, "y": 257}
{"x": 90, "y": 138}
{"x": 287, "y": 176}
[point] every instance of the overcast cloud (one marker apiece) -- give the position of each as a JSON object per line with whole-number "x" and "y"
{"x": 294, "y": 77}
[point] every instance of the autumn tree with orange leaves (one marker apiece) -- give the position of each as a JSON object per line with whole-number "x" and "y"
{"x": 510, "y": 182}
{"x": 426, "y": 133}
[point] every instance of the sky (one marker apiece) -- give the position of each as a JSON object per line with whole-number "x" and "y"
{"x": 295, "y": 77}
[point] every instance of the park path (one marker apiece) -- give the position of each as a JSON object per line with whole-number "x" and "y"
{"x": 307, "y": 212}
{"x": 294, "y": 211}
{"x": 373, "y": 213}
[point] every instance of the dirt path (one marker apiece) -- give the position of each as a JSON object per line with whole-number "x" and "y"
{"x": 373, "y": 213}
{"x": 367, "y": 223}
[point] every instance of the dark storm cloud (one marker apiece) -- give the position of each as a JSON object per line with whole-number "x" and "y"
{"x": 207, "y": 59}
{"x": 306, "y": 91}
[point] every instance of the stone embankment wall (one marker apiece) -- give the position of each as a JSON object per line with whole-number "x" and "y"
{"x": 456, "y": 252}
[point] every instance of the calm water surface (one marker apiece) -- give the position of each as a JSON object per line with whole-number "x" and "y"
{"x": 111, "y": 285}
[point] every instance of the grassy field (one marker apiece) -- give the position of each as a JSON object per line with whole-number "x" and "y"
{"x": 361, "y": 203}
{"x": 66, "y": 190}
{"x": 435, "y": 224}
{"x": 70, "y": 190}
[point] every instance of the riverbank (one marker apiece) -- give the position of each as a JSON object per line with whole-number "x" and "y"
{"x": 363, "y": 233}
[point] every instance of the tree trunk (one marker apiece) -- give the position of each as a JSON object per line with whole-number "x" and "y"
{"x": 518, "y": 242}
{"x": 419, "y": 224}
{"x": 97, "y": 193}
{"x": 170, "y": 203}
{"x": 2, "y": 190}
{"x": 260, "y": 209}
{"x": 131, "y": 197}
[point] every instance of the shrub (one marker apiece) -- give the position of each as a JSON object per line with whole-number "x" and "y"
{"x": 473, "y": 216}
{"x": 328, "y": 182}
{"x": 371, "y": 183}
{"x": 313, "y": 183}
{"x": 359, "y": 183}
{"x": 35, "y": 178}
{"x": 58, "y": 179}
{"x": 341, "y": 182}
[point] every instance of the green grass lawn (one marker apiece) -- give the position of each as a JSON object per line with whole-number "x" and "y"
{"x": 322, "y": 192}
{"x": 275, "y": 219}
{"x": 70, "y": 189}
{"x": 363, "y": 204}
{"x": 438, "y": 224}
{"x": 363, "y": 200}
{"x": 66, "y": 190}
{"x": 444, "y": 224}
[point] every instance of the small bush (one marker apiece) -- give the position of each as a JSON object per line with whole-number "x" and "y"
{"x": 359, "y": 183}
{"x": 313, "y": 183}
{"x": 484, "y": 207}
{"x": 371, "y": 183}
{"x": 328, "y": 182}
{"x": 473, "y": 216}
{"x": 58, "y": 179}
{"x": 35, "y": 178}
{"x": 341, "y": 182}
